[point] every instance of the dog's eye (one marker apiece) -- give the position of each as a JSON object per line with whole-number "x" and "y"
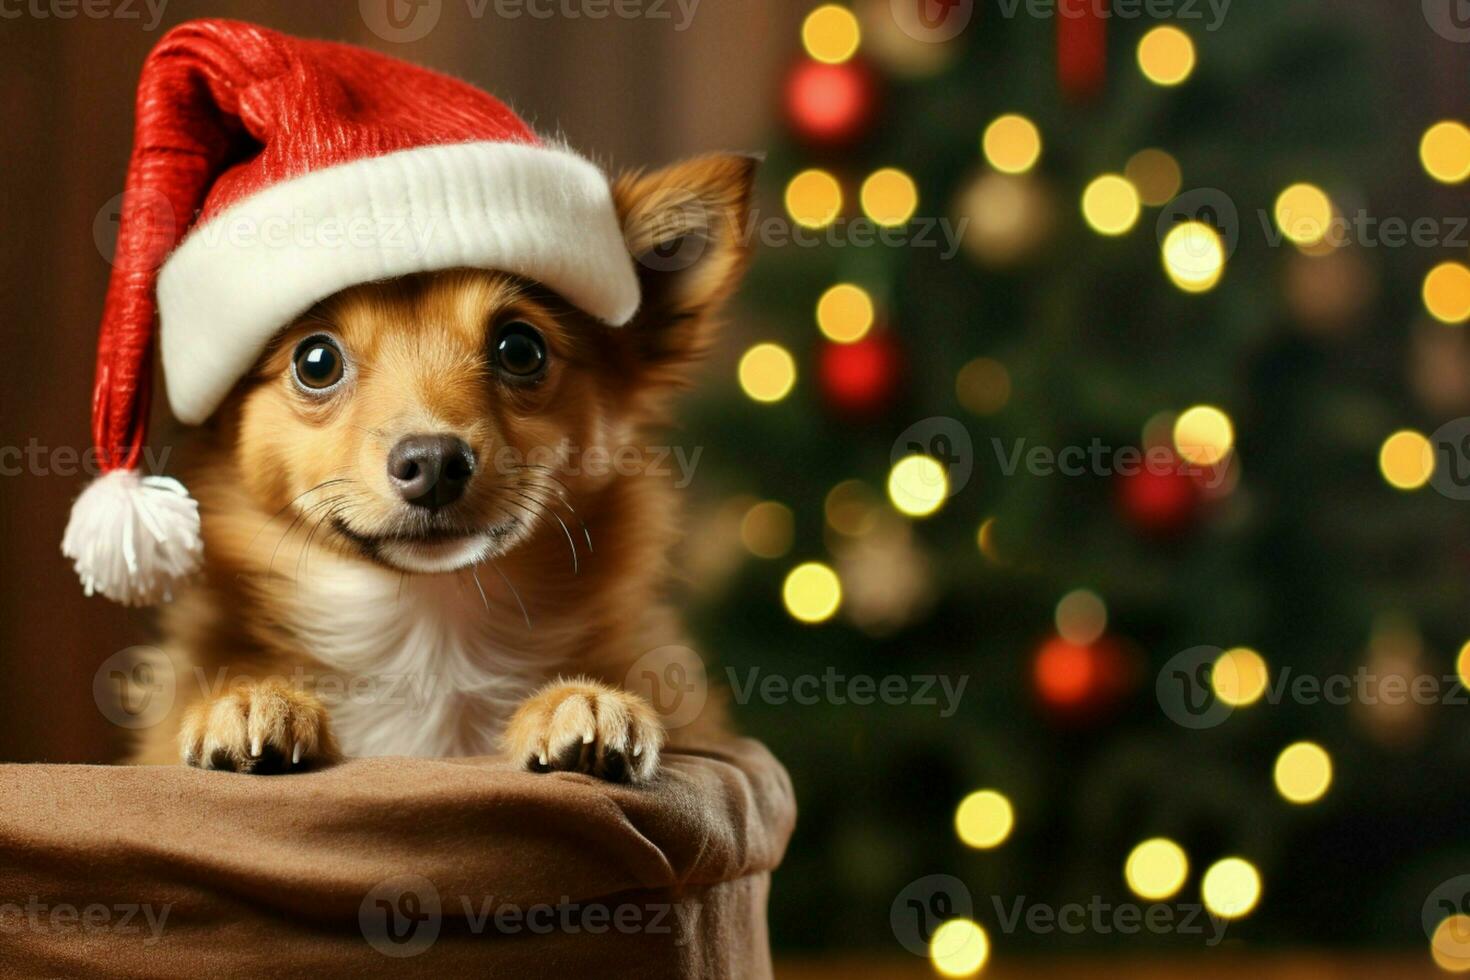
{"x": 520, "y": 351}
{"x": 318, "y": 364}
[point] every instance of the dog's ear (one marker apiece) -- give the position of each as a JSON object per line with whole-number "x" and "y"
{"x": 685, "y": 227}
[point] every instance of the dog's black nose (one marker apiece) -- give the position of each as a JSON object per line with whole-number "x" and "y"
{"x": 430, "y": 471}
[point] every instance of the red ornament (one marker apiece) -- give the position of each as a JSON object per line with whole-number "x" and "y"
{"x": 1160, "y": 499}
{"x": 1081, "y": 682}
{"x": 830, "y": 104}
{"x": 859, "y": 378}
{"x": 1082, "y": 48}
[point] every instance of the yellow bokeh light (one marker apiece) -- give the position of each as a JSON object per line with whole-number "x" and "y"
{"x": 1304, "y": 214}
{"x": 1166, "y": 55}
{"x": 814, "y": 198}
{"x": 1239, "y": 677}
{"x": 1447, "y": 292}
{"x": 1445, "y": 152}
{"x": 1156, "y": 869}
{"x": 851, "y": 508}
{"x": 1203, "y": 435}
{"x": 1406, "y": 460}
{"x": 1450, "y": 944}
{"x": 1156, "y": 174}
{"x": 890, "y": 197}
{"x": 1303, "y": 772}
{"x": 959, "y": 948}
{"x": 845, "y": 313}
{"x": 983, "y": 386}
{"x": 985, "y": 540}
{"x": 767, "y": 372}
{"x": 767, "y": 529}
{"x": 812, "y": 592}
{"x": 1081, "y": 617}
{"x": 1231, "y": 888}
{"x": 1194, "y": 257}
{"x": 1462, "y": 665}
{"x": 1012, "y": 144}
{"x": 984, "y": 819}
{"x": 1110, "y": 205}
{"x": 918, "y": 485}
{"x": 831, "y": 34}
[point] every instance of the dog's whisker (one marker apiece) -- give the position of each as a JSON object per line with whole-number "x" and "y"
{"x": 297, "y": 519}
{"x": 303, "y": 560}
{"x": 576, "y": 570}
{"x": 585, "y": 533}
{"x": 506, "y": 579}
{"x": 564, "y": 494}
{"x": 271, "y": 519}
{"x": 483, "y": 599}
{"x": 300, "y": 518}
{"x": 539, "y": 512}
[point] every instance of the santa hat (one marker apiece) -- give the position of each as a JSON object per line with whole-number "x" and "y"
{"x": 267, "y": 173}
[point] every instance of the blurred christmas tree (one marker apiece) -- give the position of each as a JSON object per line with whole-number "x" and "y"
{"x": 1113, "y": 235}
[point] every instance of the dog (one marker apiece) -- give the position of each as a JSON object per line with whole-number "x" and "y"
{"x": 398, "y": 560}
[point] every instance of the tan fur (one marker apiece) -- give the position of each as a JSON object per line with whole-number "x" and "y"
{"x": 288, "y": 484}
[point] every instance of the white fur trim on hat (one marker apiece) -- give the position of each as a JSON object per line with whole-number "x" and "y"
{"x": 238, "y": 278}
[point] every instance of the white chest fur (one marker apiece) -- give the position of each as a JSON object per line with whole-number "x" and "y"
{"x": 416, "y": 666}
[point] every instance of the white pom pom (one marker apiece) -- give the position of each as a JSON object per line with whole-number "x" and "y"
{"x": 133, "y": 537}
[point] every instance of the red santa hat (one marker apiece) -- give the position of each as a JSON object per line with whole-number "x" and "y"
{"x": 267, "y": 173}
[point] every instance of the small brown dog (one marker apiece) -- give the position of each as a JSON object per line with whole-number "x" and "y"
{"x": 379, "y": 515}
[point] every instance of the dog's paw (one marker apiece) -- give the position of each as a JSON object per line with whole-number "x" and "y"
{"x": 264, "y": 728}
{"x": 584, "y": 726}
